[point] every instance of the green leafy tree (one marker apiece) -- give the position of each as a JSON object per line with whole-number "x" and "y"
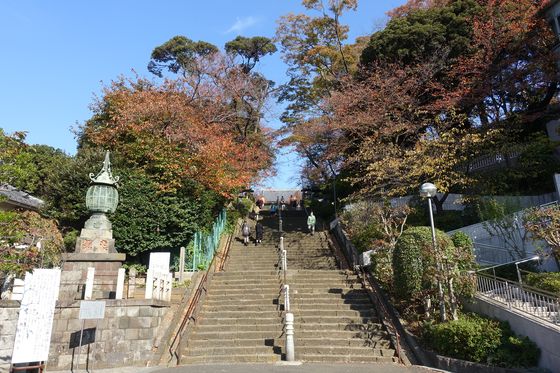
{"x": 250, "y": 50}
{"x": 16, "y": 164}
{"x": 27, "y": 241}
{"x": 149, "y": 219}
{"x": 179, "y": 55}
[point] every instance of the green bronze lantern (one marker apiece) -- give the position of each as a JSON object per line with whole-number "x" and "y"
{"x": 102, "y": 196}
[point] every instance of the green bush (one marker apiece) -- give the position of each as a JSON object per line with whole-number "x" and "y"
{"x": 364, "y": 239}
{"x": 548, "y": 281}
{"x": 70, "y": 240}
{"x": 140, "y": 268}
{"x": 244, "y": 206}
{"x": 481, "y": 340}
{"x": 462, "y": 240}
{"x": 413, "y": 258}
{"x": 470, "y": 338}
{"x": 515, "y": 352}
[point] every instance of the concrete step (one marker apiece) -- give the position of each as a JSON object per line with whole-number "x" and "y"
{"x": 325, "y": 349}
{"x": 271, "y": 329}
{"x": 332, "y": 334}
{"x": 330, "y": 307}
{"x": 259, "y": 301}
{"x": 212, "y": 343}
{"x": 355, "y": 359}
{"x": 255, "y": 273}
{"x": 248, "y": 288}
{"x": 334, "y": 342}
{"x": 304, "y": 292}
{"x": 237, "y": 308}
{"x": 240, "y": 321}
{"x": 345, "y": 326}
{"x": 236, "y": 314}
{"x": 255, "y": 281}
{"x": 194, "y": 350}
{"x": 224, "y": 359}
{"x": 320, "y": 302}
{"x": 238, "y": 334}
{"x": 235, "y": 299}
{"x": 347, "y": 320}
{"x": 338, "y": 312}
{"x": 267, "y": 293}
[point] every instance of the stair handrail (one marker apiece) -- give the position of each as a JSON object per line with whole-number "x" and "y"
{"x": 536, "y": 302}
{"x": 193, "y": 305}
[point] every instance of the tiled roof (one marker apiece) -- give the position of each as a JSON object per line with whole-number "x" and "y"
{"x": 20, "y": 198}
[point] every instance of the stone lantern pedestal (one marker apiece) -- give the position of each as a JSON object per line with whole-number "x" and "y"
{"x": 95, "y": 247}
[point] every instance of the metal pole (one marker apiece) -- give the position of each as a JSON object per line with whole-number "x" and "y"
{"x": 443, "y": 316}
{"x": 80, "y": 345}
{"x": 334, "y": 192}
{"x": 518, "y": 273}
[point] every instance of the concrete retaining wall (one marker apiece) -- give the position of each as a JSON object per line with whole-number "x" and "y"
{"x": 545, "y": 335}
{"x": 125, "y": 337}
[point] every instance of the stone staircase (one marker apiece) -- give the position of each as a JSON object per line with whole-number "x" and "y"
{"x": 240, "y": 319}
{"x": 335, "y": 320}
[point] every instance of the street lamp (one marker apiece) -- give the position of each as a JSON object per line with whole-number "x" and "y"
{"x": 536, "y": 257}
{"x": 429, "y": 190}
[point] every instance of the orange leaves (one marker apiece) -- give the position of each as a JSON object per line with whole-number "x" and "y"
{"x": 174, "y": 136}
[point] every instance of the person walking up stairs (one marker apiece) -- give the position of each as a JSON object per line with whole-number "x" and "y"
{"x": 240, "y": 318}
{"x": 335, "y": 320}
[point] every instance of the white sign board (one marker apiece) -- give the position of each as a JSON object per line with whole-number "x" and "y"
{"x": 33, "y": 333}
{"x": 159, "y": 262}
{"x": 92, "y": 309}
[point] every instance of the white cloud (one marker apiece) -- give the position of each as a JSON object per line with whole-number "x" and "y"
{"x": 242, "y": 23}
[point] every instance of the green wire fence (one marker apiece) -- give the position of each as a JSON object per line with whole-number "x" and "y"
{"x": 203, "y": 246}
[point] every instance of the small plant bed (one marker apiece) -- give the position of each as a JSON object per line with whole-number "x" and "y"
{"x": 481, "y": 340}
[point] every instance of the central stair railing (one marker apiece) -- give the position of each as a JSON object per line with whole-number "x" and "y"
{"x": 285, "y": 289}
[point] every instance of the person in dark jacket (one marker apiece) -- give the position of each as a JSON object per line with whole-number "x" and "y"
{"x": 259, "y": 231}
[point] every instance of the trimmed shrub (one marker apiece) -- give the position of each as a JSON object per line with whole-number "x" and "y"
{"x": 470, "y": 338}
{"x": 482, "y": 340}
{"x": 413, "y": 260}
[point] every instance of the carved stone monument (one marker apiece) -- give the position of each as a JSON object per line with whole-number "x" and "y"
{"x": 96, "y": 247}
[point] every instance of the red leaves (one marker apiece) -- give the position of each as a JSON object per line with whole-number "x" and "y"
{"x": 174, "y": 136}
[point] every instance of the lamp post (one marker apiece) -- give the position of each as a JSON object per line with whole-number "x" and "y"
{"x": 429, "y": 190}
{"x": 536, "y": 257}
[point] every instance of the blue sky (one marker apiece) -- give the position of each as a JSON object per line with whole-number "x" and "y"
{"x": 58, "y": 53}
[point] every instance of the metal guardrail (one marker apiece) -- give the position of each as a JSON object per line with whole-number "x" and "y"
{"x": 204, "y": 245}
{"x": 535, "y": 302}
{"x": 176, "y": 343}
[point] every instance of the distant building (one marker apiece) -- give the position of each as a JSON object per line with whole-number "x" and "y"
{"x": 12, "y": 198}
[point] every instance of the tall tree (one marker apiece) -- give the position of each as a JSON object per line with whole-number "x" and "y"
{"x": 318, "y": 58}
{"x": 444, "y": 83}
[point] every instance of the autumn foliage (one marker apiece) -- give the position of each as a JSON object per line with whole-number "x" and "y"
{"x": 444, "y": 84}
{"x": 184, "y": 128}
